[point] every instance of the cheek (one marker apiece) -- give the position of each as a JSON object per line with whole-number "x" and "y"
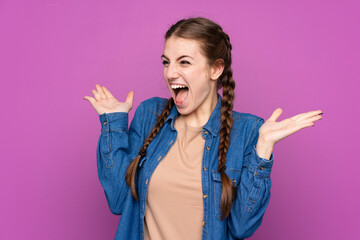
{"x": 200, "y": 86}
{"x": 206, "y": 76}
{"x": 201, "y": 75}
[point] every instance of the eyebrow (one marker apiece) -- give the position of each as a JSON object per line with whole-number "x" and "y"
{"x": 163, "y": 56}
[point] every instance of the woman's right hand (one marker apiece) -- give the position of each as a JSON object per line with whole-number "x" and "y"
{"x": 104, "y": 101}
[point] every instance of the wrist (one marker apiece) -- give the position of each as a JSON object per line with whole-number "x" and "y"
{"x": 264, "y": 149}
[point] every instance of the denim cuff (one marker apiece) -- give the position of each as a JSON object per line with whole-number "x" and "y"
{"x": 116, "y": 121}
{"x": 260, "y": 166}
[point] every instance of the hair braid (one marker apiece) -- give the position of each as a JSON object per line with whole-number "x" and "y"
{"x": 131, "y": 171}
{"x": 228, "y": 84}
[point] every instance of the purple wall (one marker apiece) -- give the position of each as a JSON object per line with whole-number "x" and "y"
{"x": 297, "y": 55}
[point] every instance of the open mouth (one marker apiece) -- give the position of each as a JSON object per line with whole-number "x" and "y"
{"x": 181, "y": 93}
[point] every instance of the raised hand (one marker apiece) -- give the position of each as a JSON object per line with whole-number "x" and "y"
{"x": 104, "y": 101}
{"x": 271, "y": 131}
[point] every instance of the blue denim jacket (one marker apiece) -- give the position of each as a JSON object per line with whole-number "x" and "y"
{"x": 118, "y": 146}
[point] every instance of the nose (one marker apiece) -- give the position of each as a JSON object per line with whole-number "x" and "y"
{"x": 171, "y": 71}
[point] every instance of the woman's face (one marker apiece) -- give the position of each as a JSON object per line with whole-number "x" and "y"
{"x": 188, "y": 76}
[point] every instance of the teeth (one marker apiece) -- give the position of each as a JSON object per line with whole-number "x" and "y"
{"x": 177, "y": 86}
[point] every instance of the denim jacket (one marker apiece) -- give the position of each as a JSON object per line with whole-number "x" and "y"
{"x": 118, "y": 145}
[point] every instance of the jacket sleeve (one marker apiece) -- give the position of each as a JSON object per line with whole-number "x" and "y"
{"x": 253, "y": 193}
{"x": 117, "y": 147}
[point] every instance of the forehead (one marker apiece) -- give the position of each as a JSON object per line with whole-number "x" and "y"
{"x": 175, "y": 46}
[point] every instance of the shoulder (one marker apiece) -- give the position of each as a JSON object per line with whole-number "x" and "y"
{"x": 246, "y": 124}
{"x": 150, "y": 109}
{"x": 241, "y": 118}
{"x": 246, "y": 127}
{"x": 147, "y": 113}
{"x": 155, "y": 104}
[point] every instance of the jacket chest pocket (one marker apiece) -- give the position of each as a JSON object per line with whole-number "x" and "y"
{"x": 234, "y": 176}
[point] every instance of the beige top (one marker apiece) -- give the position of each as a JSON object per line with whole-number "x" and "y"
{"x": 174, "y": 203}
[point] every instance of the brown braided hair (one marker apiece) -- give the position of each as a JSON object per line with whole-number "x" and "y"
{"x": 215, "y": 44}
{"x": 131, "y": 171}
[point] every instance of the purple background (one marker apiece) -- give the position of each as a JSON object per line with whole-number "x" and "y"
{"x": 297, "y": 55}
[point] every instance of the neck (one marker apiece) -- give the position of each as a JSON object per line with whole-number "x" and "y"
{"x": 201, "y": 115}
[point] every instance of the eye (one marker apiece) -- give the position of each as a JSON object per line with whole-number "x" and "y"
{"x": 164, "y": 62}
{"x": 184, "y": 62}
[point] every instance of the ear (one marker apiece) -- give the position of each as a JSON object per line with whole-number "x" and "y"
{"x": 216, "y": 69}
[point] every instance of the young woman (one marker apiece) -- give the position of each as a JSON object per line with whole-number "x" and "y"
{"x": 189, "y": 167}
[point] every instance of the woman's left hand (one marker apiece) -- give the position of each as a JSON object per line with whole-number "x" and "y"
{"x": 271, "y": 131}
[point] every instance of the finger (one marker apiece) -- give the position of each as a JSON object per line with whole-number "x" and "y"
{"x": 96, "y": 95}
{"x": 302, "y": 116}
{"x": 275, "y": 115}
{"x": 90, "y": 99}
{"x": 311, "y": 119}
{"x": 101, "y": 92}
{"x": 310, "y": 114}
{"x": 107, "y": 92}
{"x": 130, "y": 98}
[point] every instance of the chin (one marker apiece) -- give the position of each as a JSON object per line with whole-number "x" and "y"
{"x": 184, "y": 110}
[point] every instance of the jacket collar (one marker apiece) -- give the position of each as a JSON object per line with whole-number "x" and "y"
{"x": 213, "y": 124}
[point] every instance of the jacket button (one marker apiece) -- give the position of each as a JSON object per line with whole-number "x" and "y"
{"x": 206, "y": 132}
{"x": 204, "y": 223}
{"x": 262, "y": 168}
{"x": 105, "y": 122}
{"x": 204, "y": 168}
{"x": 207, "y": 148}
{"x": 234, "y": 180}
{"x": 205, "y": 196}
